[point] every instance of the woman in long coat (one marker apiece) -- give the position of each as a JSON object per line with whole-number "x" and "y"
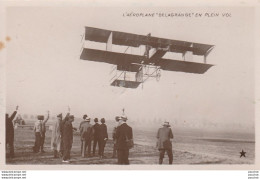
{"x": 56, "y": 136}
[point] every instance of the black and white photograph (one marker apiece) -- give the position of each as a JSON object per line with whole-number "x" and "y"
{"x": 108, "y": 86}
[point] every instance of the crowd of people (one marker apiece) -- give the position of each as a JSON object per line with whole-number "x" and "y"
{"x": 62, "y": 137}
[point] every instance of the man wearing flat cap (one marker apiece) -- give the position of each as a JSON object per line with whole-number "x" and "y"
{"x": 164, "y": 136}
{"x": 86, "y": 135}
{"x": 123, "y": 133}
{"x": 56, "y": 136}
{"x": 67, "y": 138}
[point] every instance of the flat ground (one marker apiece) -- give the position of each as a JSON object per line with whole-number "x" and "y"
{"x": 24, "y": 141}
{"x": 144, "y": 152}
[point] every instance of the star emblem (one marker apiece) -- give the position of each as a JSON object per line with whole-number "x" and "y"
{"x": 242, "y": 154}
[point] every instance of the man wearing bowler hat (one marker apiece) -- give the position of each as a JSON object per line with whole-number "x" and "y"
{"x": 164, "y": 136}
{"x": 123, "y": 133}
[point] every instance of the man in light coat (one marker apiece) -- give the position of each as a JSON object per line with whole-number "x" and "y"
{"x": 85, "y": 116}
{"x": 56, "y": 136}
{"x": 164, "y": 136}
{"x": 86, "y": 135}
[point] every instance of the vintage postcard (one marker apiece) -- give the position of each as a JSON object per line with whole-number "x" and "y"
{"x": 129, "y": 86}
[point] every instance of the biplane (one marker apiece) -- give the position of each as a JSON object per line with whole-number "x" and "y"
{"x": 149, "y": 62}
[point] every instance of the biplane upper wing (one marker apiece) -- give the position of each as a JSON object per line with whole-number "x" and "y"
{"x": 119, "y": 38}
{"x": 97, "y": 35}
{"x": 134, "y": 40}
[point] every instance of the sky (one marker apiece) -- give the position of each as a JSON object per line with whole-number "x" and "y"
{"x": 44, "y": 71}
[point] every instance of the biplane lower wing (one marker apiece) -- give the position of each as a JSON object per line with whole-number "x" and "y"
{"x": 126, "y": 62}
{"x": 183, "y": 66}
{"x": 123, "y": 61}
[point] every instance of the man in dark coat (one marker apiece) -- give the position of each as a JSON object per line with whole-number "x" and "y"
{"x": 164, "y": 136}
{"x": 61, "y": 131}
{"x": 123, "y": 133}
{"x": 103, "y": 136}
{"x": 67, "y": 138}
{"x": 9, "y": 129}
{"x": 96, "y": 136}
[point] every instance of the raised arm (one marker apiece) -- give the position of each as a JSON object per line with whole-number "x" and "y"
{"x": 48, "y": 116}
{"x": 63, "y": 122}
{"x": 14, "y": 113}
{"x": 67, "y": 115}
